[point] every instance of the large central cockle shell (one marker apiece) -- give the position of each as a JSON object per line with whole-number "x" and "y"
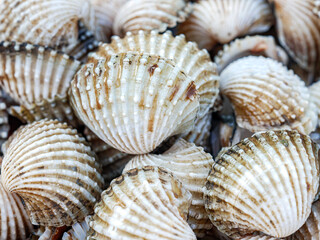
{"x": 264, "y": 184}
{"x": 144, "y": 203}
{"x": 134, "y": 101}
{"x": 54, "y": 171}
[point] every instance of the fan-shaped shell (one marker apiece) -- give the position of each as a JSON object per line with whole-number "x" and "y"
{"x": 302, "y": 38}
{"x": 150, "y": 15}
{"x": 191, "y": 165}
{"x": 220, "y": 21}
{"x": 54, "y": 171}
{"x": 133, "y": 101}
{"x": 186, "y": 55}
{"x": 265, "y": 183}
{"x": 38, "y": 79}
{"x": 266, "y": 95}
{"x": 145, "y": 203}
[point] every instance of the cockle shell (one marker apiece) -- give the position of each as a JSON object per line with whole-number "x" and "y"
{"x": 191, "y": 165}
{"x": 15, "y": 223}
{"x": 145, "y": 203}
{"x": 186, "y": 55}
{"x": 266, "y": 95}
{"x": 264, "y": 184}
{"x": 150, "y": 15}
{"x": 54, "y": 171}
{"x": 78, "y": 231}
{"x": 250, "y": 45}
{"x": 220, "y": 21}
{"x": 133, "y": 101}
{"x": 38, "y": 79}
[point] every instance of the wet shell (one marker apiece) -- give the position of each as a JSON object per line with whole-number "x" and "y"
{"x": 250, "y": 45}
{"x": 186, "y": 55}
{"x": 191, "y": 165}
{"x": 265, "y": 183}
{"x": 314, "y": 91}
{"x": 78, "y": 231}
{"x": 220, "y": 21}
{"x": 54, "y": 171}
{"x": 146, "y": 203}
{"x": 302, "y": 38}
{"x": 150, "y": 15}
{"x": 266, "y": 95}
{"x": 15, "y": 223}
{"x": 38, "y": 79}
{"x": 133, "y": 101}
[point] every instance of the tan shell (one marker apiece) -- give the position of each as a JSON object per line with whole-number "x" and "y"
{"x": 38, "y": 79}
{"x": 146, "y": 203}
{"x": 186, "y": 55}
{"x": 78, "y": 231}
{"x": 265, "y": 183}
{"x": 266, "y": 95}
{"x": 133, "y": 102}
{"x": 314, "y": 91}
{"x": 302, "y": 38}
{"x": 54, "y": 171}
{"x": 150, "y": 15}
{"x": 250, "y": 45}
{"x": 191, "y": 165}
{"x": 220, "y": 21}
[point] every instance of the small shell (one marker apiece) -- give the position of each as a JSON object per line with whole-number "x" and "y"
{"x": 265, "y": 183}
{"x": 78, "y": 231}
{"x": 250, "y": 45}
{"x": 266, "y": 95}
{"x": 314, "y": 91}
{"x": 220, "y": 21}
{"x": 150, "y": 15}
{"x": 133, "y": 102}
{"x": 146, "y": 203}
{"x": 191, "y": 165}
{"x": 186, "y": 55}
{"x": 54, "y": 171}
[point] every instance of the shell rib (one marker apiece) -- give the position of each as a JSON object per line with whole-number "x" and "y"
{"x": 191, "y": 165}
{"x": 266, "y": 95}
{"x": 54, "y": 171}
{"x": 146, "y": 203}
{"x": 265, "y": 183}
{"x": 133, "y": 101}
{"x": 78, "y": 231}
{"x": 186, "y": 55}
{"x": 150, "y": 15}
{"x": 220, "y": 21}
{"x": 4, "y": 120}
{"x": 38, "y": 79}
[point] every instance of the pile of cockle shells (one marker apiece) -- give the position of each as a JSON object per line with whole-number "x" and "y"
{"x": 159, "y": 119}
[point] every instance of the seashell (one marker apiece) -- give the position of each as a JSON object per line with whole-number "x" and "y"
{"x": 15, "y": 223}
{"x": 250, "y": 45}
{"x": 38, "y": 79}
{"x": 266, "y": 95}
{"x": 146, "y": 203}
{"x": 78, "y": 231}
{"x": 164, "y": 101}
{"x": 314, "y": 91}
{"x": 264, "y": 185}
{"x": 48, "y": 233}
{"x": 191, "y": 165}
{"x": 193, "y": 62}
{"x": 150, "y": 15}
{"x": 54, "y": 172}
{"x": 4, "y": 120}
{"x": 220, "y": 21}
{"x": 302, "y": 39}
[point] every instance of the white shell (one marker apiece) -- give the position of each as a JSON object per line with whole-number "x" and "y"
{"x": 265, "y": 183}
{"x": 78, "y": 231}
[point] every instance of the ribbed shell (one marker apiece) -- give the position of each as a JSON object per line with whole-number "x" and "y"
{"x": 302, "y": 38}
{"x": 38, "y": 78}
{"x": 266, "y": 95}
{"x": 250, "y": 45}
{"x": 54, "y": 171}
{"x": 15, "y": 223}
{"x": 78, "y": 231}
{"x": 191, "y": 165}
{"x": 150, "y": 15}
{"x": 314, "y": 91}
{"x": 220, "y": 21}
{"x": 133, "y": 101}
{"x": 146, "y": 203}
{"x": 265, "y": 183}
{"x": 186, "y": 55}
